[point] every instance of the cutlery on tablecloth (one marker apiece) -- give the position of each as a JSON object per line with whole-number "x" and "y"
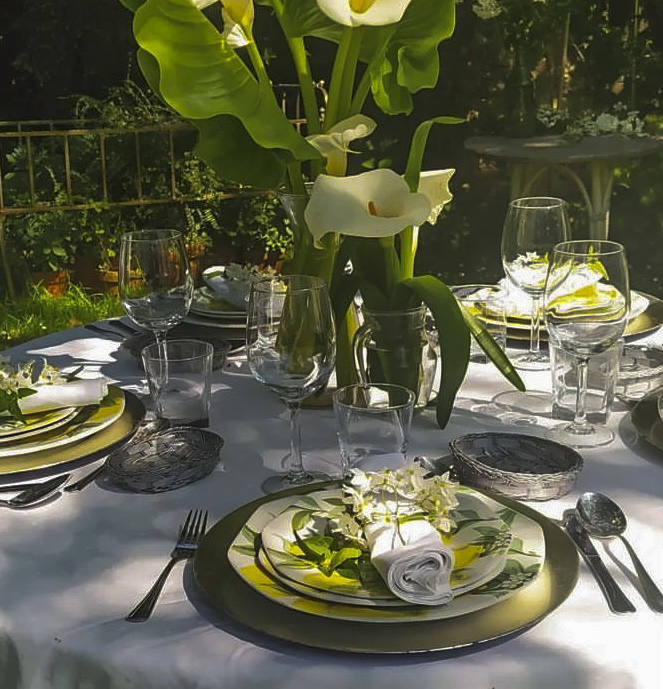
{"x": 103, "y": 331}
{"x": 617, "y": 600}
{"x": 603, "y": 518}
{"x": 190, "y": 534}
{"x": 35, "y": 493}
{"x": 128, "y": 329}
{"x": 144, "y": 430}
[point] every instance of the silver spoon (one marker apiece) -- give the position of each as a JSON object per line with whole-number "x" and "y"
{"x": 603, "y": 518}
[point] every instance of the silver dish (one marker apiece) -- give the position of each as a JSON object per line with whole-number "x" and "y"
{"x": 518, "y": 466}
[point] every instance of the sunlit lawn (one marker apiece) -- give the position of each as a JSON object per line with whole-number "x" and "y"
{"x": 38, "y": 313}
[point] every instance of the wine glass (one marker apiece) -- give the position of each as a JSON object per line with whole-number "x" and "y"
{"x": 155, "y": 285}
{"x": 533, "y": 226}
{"x": 291, "y": 348}
{"x": 586, "y": 305}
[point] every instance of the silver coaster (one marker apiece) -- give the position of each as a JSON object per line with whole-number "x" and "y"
{"x": 165, "y": 461}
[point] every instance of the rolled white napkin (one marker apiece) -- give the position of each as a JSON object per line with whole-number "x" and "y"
{"x": 234, "y": 291}
{"x": 412, "y": 560}
{"x": 77, "y": 393}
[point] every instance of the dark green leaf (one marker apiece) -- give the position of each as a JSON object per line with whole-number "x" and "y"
{"x": 453, "y": 334}
{"x": 494, "y": 352}
{"x": 418, "y": 148}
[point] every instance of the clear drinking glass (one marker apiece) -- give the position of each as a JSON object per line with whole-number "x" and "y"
{"x": 291, "y": 348}
{"x": 155, "y": 284}
{"x": 373, "y": 423}
{"x": 533, "y": 226}
{"x": 183, "y": 397}
{"x": 586, "y": 305}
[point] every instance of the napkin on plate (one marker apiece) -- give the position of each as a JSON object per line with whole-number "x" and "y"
{"x": 77, "y": 393}
{"x": 235, "y": 292}
{"x": 412, "y": 560}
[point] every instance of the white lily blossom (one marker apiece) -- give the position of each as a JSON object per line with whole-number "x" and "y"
{"x": 233, "y": 33}
{"x": 372, "y": 204}
{"x": 434, "y": 184}
{"x": 364, "y": 12}
{"x": 335, "y": 144}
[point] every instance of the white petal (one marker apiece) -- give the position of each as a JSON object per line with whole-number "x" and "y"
{"x": 232, "y": 31}
{"x": 341, "y": 204}
{"x": 434, "y": 184}
{"x": 336, "y": 143}
{"x": 378, "y": 12}
{"x": 202, "y": 4}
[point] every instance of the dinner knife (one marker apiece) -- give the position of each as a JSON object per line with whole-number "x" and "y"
{"x": 36, "y": 492}
{"x": 617, "y": 600}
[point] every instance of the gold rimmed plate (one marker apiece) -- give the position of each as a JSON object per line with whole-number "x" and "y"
{"x": 89, "y": 420}
{"x": 12, "y": 430}
{"x": 480, "y": 544}
{"x": 231, "y": 596}
{"x": 87, "y": 449}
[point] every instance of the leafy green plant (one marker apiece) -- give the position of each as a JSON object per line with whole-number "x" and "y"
{"x": 40, "y": 313}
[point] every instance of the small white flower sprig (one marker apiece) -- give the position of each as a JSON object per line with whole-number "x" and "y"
{"x": 18, "y": 381}
{"x": 397, "y": 496}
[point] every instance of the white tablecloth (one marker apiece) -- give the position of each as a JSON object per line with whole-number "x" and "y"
{"x": 71, "y": 569}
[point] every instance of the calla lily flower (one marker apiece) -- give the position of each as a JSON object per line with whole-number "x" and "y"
{"x": 378, "y": 203}
{"x": 434, "y": 184}
{"x": 232, "y": 31}
{"x": 241, "y": 12}
{"x": 368, "y": 12}
{"x": 335, "y": 144}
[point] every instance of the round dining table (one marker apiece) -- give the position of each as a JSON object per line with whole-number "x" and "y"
{"x": 72, "y": 568}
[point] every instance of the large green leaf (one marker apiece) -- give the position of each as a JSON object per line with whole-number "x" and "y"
{"x": 201, "y": 76}
{"x": 494, "y": 352}
{"x": 453, "y": 334}
{"x": 304, "y": 18}
{"x": 225, "y": 145}
{"x": 411, "y": 61}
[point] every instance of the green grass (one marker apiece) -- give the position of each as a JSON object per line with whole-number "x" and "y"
{"x": 39, "y": 313}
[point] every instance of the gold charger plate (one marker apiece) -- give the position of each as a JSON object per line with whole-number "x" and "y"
{"x": 224, "y": 590}
{"x": 647, "y": 322}
{"x": 90, "y": 420}
{"x": 92, "y": 447}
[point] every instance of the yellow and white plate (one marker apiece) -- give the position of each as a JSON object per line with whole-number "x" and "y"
{"x": 520, "y": 566}
{"x": 13, "y": 428}
{"x": 480, "y": 544}
{"x": 86, "y": 422}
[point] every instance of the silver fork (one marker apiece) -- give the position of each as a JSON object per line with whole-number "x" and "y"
{"x": 188, "y": 537}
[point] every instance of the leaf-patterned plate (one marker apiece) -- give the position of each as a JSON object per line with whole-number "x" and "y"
{"x": 480, "y": 543}
{"x": 207, "y": 303}
{"x": 524, "y": 559}
{"x": 11, "y": 428}
{"x": 89, "y": 420}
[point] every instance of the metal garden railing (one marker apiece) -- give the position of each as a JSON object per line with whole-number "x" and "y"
{"x": 61, "y": 134}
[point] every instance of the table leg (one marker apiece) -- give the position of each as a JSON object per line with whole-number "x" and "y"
{"x": 601, "y": 174}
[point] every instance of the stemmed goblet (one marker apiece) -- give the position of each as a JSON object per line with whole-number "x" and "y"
{"x": 533, "y": 226}
{"x": 155, "y": 285}
{"x": 291, "y": 348}
{"x": 586, "y": 305}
